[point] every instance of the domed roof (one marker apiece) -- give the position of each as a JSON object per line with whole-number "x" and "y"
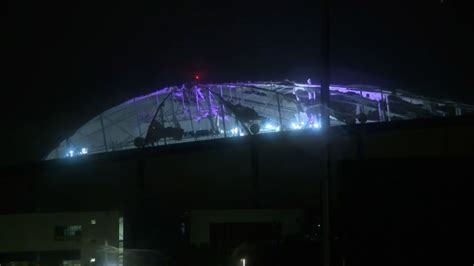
{"x": 194, "y": 112}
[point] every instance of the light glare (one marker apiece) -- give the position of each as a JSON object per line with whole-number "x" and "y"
{"x": 295, "y": 126}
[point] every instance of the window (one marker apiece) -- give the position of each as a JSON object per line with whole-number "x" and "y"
{"x": 70, "y": 232}
{"x": 92, "y": 221}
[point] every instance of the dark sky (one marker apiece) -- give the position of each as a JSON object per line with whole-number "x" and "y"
{"x": 65, "y": 61}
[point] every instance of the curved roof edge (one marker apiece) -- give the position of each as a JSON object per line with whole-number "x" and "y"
{"x": 195, "y": 111}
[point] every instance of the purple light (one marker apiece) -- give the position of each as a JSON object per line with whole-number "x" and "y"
{"x": 180, "y": 91}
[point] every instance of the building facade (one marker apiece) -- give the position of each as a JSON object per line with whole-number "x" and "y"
{"x": 69, "y": 238}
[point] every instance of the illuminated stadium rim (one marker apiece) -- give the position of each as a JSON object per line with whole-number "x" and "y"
{"x": 196, "y": 111}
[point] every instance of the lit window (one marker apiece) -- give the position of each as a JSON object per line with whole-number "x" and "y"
{"x": 92, "y": 221}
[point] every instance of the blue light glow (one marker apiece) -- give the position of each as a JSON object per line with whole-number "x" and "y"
{"x": 234, "y": 131}
{"x": 315, "y": 125}
{"x": 72, "y": 153}
{"x": 295, "y": 126}
{"x": 271, "y": 128}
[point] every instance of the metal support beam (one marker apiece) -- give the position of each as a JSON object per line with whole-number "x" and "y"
{"x": 160, "y": 110}
{"x": 191, "y": 118}
{"x": 223, "y": 120}
{"x": 279, "y": 112}
{"x": 209, "y": 108}
{"x": 223, "y": 114}
{"x": 389, "y": 116}
{"x": 103, "y": 133}
{"x": 138, "y": 118}
{"x": 189, "y": 109}
{"x": 381, "y": 116}
{"x": 173, "y": 113}
{"x": 163, "y": 121}
{"x": 114, "y": 123}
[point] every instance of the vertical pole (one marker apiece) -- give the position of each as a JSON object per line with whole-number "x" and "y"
{"x": 326, "y": 200}
{"x": 103, "y": 133}
{"x": 325, "y": 77}
{"x": 381, "y": 116}
{"x": 255, "y": 170}
{"x": 279, "y": 112}
{"x": 325, "y": 123}
{"x": 381, "y": 109}
{"x": 389, "y": 116}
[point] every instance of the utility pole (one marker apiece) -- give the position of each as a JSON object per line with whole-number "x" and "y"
{"x": 325, "y": 64}
{"x": 325, "y": 124}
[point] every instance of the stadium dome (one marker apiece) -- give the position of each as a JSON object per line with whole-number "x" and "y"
{"x": 195, "y": 111}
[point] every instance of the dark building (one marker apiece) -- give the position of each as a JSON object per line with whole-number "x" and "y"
{"x": 397, "y": 189}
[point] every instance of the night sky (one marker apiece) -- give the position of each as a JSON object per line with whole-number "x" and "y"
{"x": 63, "y": 62}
